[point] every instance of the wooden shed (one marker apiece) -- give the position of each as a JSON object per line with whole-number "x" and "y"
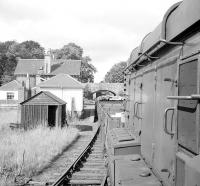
{"x": 44, "y": 109}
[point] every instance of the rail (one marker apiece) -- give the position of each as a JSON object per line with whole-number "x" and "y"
{"x": 72, "y": 167}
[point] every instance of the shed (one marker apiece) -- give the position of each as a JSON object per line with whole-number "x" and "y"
{"x": 44, "y": 109}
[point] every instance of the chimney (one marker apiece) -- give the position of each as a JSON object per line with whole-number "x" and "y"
{"x": 27, "y": 82}
{"x": 47, "y": 61}
{"x": 28, "y": 87}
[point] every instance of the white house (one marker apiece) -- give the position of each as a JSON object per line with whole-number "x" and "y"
{"x": 66, "y": 88}
{"x": 11, "y": 94}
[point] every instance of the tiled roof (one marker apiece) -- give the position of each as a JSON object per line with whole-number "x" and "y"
{"x": 71, "y": 67}
{"x": 32, "y": 66}
{"x": 43, "y": 98}
{"x": 61, "y": 81}
{"x": 54, "y": 97}
{"x": 12, "y": 85}
{"x": 28, "y": 66}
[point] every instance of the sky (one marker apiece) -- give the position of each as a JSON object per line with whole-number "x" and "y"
{"x": 107, "y": 30}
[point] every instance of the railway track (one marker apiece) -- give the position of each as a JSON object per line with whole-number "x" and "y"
{"x": 82, "y": 163}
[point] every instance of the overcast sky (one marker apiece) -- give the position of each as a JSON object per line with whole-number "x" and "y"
{"x": 107, "y": 30}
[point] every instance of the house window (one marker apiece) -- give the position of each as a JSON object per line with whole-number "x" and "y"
{"x": 10, "y": 95}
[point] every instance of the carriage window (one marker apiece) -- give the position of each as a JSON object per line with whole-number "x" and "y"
{"x": 187, "y": 109}
{"x": 10, "y": 95}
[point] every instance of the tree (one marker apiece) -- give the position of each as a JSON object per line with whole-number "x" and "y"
{"x": 87, "y": 92}
{"x": 7, "y": 59}
{"x": 87, "y": 70}
{"x": 115, "y": 74}
{"x": 69, "y": 51}
{"x": 10, "y": 50}
{"x": 28, "y": 50}
{"x": 73, "y": 51}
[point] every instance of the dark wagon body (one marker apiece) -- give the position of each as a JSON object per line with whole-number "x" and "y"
{"x": 162, "y": 82}
{"x": 162, "y": 75}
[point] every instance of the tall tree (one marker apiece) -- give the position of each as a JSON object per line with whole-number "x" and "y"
{"x": 10, "y": 50}
{"x": 87, "y": 70}
{"x": 73, "y": 51}
{"x": 29, "y": 50}
{"x": 69, "y": 51}
{"x": 7, "y": 60}
{"x": 115, "y": 74}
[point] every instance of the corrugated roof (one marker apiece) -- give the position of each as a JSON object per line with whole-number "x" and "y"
{"x": 71, "y": 67}
{"x": 43, "y": 98}
{"x": 32, "y": 66}
{"x": 61, "y": 81}
{"x": 12, "y": 85}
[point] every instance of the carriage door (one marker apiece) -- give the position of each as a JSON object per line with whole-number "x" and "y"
{"x": 137, "y": 107}
{"x": 148, "y": 103}
{"x": 187, "y": 114}
{"x": 188, "y": 110}
{"x": 164, "y": 139}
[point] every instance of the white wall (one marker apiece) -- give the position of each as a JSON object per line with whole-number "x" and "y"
{"x": 3, "y": 95}
{"x": 67, "y": 95}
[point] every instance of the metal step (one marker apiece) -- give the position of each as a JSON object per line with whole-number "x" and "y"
{"x": 93, "y": 164}
{"x": 99, "y": 161}
{"x": 85, "y": 182}
{"x": 88, "y": 170}
{"x": 87, "y": 176}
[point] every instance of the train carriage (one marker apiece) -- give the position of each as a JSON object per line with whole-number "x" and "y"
{"x": 162, "y": 107}
{"x": 163, "y": 88}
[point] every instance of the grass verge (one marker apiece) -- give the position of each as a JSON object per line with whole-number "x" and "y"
{"x": 26, "y": 153}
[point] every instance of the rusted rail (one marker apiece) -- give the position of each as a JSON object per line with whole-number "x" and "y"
{"x": 67, "y": 175}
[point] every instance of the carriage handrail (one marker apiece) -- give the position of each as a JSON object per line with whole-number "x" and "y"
{"x": 165, "y": 120}
{"x": 136, "y": 110}
{"x": 191, "y": 97}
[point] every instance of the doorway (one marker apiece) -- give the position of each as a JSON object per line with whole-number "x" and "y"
{"x": 52, "y": 115}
